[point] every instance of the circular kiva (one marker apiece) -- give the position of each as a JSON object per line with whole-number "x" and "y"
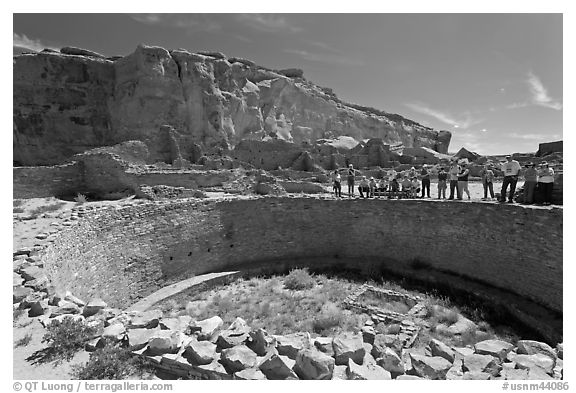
{"x": 507, "y": 254}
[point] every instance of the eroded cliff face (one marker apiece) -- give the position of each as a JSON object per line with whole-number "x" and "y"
{"x": 65, "y": 104}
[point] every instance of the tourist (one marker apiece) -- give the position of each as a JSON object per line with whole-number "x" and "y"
{"x": 546, "y": 182}
{"x": 382, "y": 187}
{"x": 412, "y": 173}
{"x": 373, "y": 187}
{"x": 511, "y": 169}
{"x": 425, "y": 175}
{"x": 337, "y": 184}
{"x": 392, "y": 174}
{"x": 488, "y": 181}
{"x": 406, "y": 186}
{"x": 415, "y": 187}
{"x": 442, "y": 177}
{"x": 463, "y": 182}
{"x": 453, "y": 173}
{"x": 393, "y": 188}
{"x": 364, "y": 188}
{"x": 351, "y": 178}
{"x": 530, "y": 182}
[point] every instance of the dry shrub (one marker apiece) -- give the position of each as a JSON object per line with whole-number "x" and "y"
{"x": 299, "y": 279}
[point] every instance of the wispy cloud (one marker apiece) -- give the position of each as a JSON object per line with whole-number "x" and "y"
{"x": 534, "y": 137}
{"x": 539, "y": 94}
{"x": 464, "y": 121}
{"x": 324, "y": 46}
{"x": 29, "y": 43}
{"x": 269, "y": 23}
{"x": 190, "y": 22}
{"x": 326, "y": 57}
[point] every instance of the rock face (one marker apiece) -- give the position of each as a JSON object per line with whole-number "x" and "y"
{"x": 69, "y": 102}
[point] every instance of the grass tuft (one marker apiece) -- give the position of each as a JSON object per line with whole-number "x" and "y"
{"x": 299, "y": 279}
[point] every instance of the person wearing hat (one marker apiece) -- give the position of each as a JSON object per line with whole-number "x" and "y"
{"x": 425, "y": 175}
{"x": 530, "y": 182}
{"x": 463, "y": 181}
{"x": 488, "y": 181}
{"x": 442, "y": 177}
{"x": 453, "y": 173}
{"x": 511, "y": 169}
{"x": 336, "y": 184}
{"x": 546, "y": 182}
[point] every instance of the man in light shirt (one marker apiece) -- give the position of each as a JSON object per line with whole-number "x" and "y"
{"x": 511, "y": 169}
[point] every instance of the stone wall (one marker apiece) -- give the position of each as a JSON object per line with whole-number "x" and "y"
{"x": 123, "y": 255}
{"x": 42, "y": 182}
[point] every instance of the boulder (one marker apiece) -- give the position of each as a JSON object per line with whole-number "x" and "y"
{"x": 482, "y": 363}
{"x": 215, "y": 368}
{"x": 530, "y": 347}
{"x": 20, "y": 293}
{"x": 250, "y": 374}
{"x": 381, "y": 342}
{"x": 65, "y": 307}
{"x": 114, "y": 332}
{"x": 237, "y": 333}
{"x": 430, "y": 367}
{"x": 277, "y": 367}
{"x": 290, "y": 344}
{"x": 438, "y": 348}
{"x": 408, "y": 378}
{"x": 165, "y": 341}
{"x": 348, "y": 346}
{"x": 261, "y": 342}
{"x": 462, "y": 352}
{"x": 366, "y": 371}
{"x": 32, "y": 273}
{"x": 455, "y": 373}
{"x": 368, "y": 334}
{"x": 145, "y": 320}
{"x": 200, "y": 352}
{"x": 514, "y": 374}
{"x": 536, "y": 360}
{"x": 71, "y": 298}
{"x": 93, "y": 306}
{"x": 324, "y": 344}
{"x": 313, "y": 364}
{"x": 17, "y": 279}
{"x": 537, "y": 373}
{"x": 476, "y": 375}
{"x": 462, "y": 325}
{"x": 560, "y": 350}
{"x": 38, "y": 308}
{"x": 496, "y": 348}
{"x": 181, "y": 323}
{"x": 391, "y": 362}
{"x": 209, "y": 327}
{"x": 238, "y": 358}
{"x": 139, "y": 338}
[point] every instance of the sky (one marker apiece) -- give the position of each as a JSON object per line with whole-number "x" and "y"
{"x": 494, "y": 80}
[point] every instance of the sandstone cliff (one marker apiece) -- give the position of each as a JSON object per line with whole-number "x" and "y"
{"x": 69, "y": 102}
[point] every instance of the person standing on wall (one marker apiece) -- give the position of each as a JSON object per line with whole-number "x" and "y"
{"x": 530, "y": 182}
{"x": 453, "y": 173}
{"x": 546, "y": 181}
{"x": 463, "y": 182}
{"x": 511, "y": 169}
{"x": 488, "y": 182}
{"x": 351, "y": 178}
{"x": 337, "y": 184}
{"x": 442, "y": 177}
{"x": 425, "y": 175}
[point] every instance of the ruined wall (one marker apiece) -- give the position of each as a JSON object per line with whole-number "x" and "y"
{"x": 122, "y": 255}
{"x": 65, "y": 104}
{"x": 42, "y": 182}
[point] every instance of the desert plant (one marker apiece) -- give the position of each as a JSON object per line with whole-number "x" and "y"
{"x": 299, "y": 279}
{"x": 17, "y": 202}
{"x": 45, "y": 209}
{"x": 111, "y": 362}
{"x": 18, "y": 210}
{"x": 449, "y": 317}
{"x": 80, "y": 199}
{"x": 65, "y": 338}
{"x": 330, "y": 316}
{"x": 24, "y": 341}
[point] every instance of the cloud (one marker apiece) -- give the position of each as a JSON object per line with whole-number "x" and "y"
{"x": 191, "y": 22}
{"x": 325, "y": 57}
{"x": 29, "y": 43}
{"x": 534, "y": 137}
{"x": 463, "y": 121}
{"x": 269, "y": 23}
{"x": 540, "y": 94}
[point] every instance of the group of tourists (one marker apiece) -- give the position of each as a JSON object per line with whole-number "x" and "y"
{"x": 416, "y": 184}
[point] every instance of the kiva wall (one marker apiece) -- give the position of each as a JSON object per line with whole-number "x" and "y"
{"x": 123, "y": 255}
